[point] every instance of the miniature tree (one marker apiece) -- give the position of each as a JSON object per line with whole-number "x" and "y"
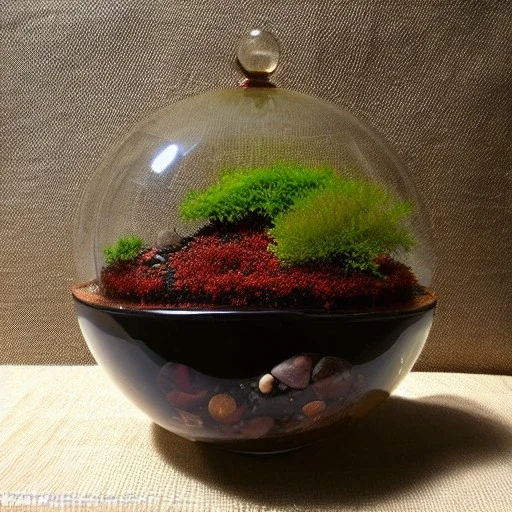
{"x": 349, "y": 221}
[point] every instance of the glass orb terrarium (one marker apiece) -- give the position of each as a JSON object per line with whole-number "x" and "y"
{"x": 254, "y": 265}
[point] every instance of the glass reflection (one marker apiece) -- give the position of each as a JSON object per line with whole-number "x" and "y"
{"x": 165, "y": 158}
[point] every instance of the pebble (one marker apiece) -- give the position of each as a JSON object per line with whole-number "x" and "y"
{"x": 329, "y": 366}
{"x": 183, "y": 400}
{"x": 257, "y": 427}
{"x": 332, "y": 377}
{"x": 159, "y": 258}
{"x": 296, "y": 395}
{"x": 175, "y": 376}
{"x": 222, "y": 408}
{"x": 168, "y": 238}
{"x": 294, "y": 372}
{"x": 335, "y": 387}
{"x": 266, "y": 383}
{"x": 314, "y": 409}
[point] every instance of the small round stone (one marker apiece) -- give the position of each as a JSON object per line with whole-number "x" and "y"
{"x": 258, "y": 53}
{"x": 266, "y": 384}
{"x": 314, "y": 409}
{"x": 168, "y": 238}
{"x": 222, "y": 408}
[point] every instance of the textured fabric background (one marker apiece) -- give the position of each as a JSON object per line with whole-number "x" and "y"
{"x": 434, "y": 77}
{"x": 442, "y": 444}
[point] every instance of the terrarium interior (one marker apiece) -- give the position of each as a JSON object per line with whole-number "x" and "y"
{"x": 252, "y": 197}
{"x": 291, "y": 232}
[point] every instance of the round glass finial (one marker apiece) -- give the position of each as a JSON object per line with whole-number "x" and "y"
{"x": 258, "y": 53}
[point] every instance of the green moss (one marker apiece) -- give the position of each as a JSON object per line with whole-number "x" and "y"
{"x": 126, "y": 248}
{"x": 350, "y": 221}
{"x": 317, "y": 215}
{"x": 265, "y": 192}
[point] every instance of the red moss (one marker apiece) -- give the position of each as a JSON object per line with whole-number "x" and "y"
{"x": 136, "y": 280}
{"x": 242, "y": 272}
{"x": 237, "y": 270}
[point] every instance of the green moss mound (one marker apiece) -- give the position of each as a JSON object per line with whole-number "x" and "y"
{"x": 350, "y": 221}
{"x": 126, "y": 248}
{"x": 266, "y": 192}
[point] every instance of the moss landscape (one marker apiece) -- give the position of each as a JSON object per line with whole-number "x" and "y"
{"x": 285, "y": 236}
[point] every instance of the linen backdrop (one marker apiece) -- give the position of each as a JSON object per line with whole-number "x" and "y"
{"x": 434, "y": 77}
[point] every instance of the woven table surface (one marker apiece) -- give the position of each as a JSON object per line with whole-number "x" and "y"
{"x": 70, "y": 441}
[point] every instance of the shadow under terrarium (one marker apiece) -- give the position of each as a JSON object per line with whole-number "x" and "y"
{"x": 403, "y": 443}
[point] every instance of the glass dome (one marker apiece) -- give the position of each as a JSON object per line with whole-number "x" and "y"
{"x": 141, "y": 187}
{"x": 276, "y": 219}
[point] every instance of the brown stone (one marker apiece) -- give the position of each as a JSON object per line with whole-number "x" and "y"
{"x": 257, "y": 427}
{"x": 314, "y": 409}
{"x": 175, "y": 376}
{"x": 294, "y": 372}
{"x": 329, "y": 366}
{"x": 222, "y": 408}
{"x": 332, "y": 377}
{"x": 186, "y": 400}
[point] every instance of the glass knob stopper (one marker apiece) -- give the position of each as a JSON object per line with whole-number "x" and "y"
{"x": 258, "y": 54}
